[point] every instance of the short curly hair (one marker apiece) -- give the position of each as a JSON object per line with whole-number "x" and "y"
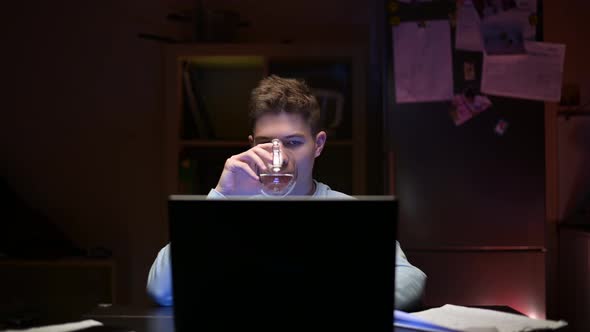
{"x": 275, "y": 94}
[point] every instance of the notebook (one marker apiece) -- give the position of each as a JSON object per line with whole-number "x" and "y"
{"x": 283, "y": 264}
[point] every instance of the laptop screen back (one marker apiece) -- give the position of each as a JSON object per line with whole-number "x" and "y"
{"x": 283, "y": 264}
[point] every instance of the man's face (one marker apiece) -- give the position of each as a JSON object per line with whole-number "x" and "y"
{"x": 295, "y": 135}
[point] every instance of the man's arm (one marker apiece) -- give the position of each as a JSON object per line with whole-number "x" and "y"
{"x": 410, "y": 282}
{"x": 159, "y": 284}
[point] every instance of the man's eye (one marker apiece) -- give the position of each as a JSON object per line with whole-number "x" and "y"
{"x": 293, "y": 143}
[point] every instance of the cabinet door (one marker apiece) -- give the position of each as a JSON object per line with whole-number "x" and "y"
{"x": 331, "y": 80}
{"x": 215, "y": 92}
{"x": 55, "y": 290}
{"x": 574, "y": 277}
{"x": 208, "y": 91}
{"x": 515, "y": 279}
{"x": 466, "y": 185}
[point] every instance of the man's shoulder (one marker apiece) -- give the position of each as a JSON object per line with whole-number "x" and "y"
{"x": 324, "y": 191}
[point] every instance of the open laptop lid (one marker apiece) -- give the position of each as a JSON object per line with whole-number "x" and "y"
{"x": 283, "y": 264}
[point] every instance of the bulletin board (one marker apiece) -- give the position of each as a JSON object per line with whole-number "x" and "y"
{"x": 468, "y": 174}
{"x": 467, "y": 65}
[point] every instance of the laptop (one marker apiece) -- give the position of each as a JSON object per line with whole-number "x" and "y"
{"x": 289, "y": 264}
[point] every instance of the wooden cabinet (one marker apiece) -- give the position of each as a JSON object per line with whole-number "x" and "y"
{"x": 50, "y": 289}
{"x": 574, "y": 276}
{"x": 207, "y": 93}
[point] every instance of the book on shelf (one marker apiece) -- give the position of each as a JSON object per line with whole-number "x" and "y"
{"x": 194, "y": 102}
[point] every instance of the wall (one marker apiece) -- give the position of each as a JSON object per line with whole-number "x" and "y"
{"x": 81, "y": 121}
{"x": 81, "y": 127}
{"x": 566, "y": 22}
{"x": 568, "y": 140}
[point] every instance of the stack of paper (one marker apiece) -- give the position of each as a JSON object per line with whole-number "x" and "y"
{"x": 67, "y": 327}
{"x": 461, "y": 318}
{"x": 403, "y": 321}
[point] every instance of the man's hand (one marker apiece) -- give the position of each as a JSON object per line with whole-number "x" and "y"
{"x": 240, "y": 176}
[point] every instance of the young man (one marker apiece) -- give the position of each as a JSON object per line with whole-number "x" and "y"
{"x": 284, "y": 109}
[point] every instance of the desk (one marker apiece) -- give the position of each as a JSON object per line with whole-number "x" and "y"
{"x": 149, "y": 319}
{"x": 55, "y": 288}
{"x": 161, "y": 319}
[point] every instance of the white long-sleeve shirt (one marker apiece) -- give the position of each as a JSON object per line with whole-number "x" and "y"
{"x": 410, "y": 281}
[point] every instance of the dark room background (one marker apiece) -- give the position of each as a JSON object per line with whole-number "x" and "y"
{"x": 81, "y": 121}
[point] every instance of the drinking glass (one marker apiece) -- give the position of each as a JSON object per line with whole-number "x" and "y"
{"x": 279, "y": 177}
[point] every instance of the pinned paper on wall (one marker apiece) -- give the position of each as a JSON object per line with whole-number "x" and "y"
{"x": 466, "y": 106}
{"x": 501, "y": 127}
{"x": 422, "y": 61}
{"x": 506, "y": 24}
{"x": 536, "y": 75}
{"x": 468, "y": 32}
{"x": 503, "y": 38}
{"x": 469, "y": 71}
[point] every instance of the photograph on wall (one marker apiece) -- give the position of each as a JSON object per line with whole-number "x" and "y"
{"x": 487, "y": 8}
{"x": 466, "y": 106}
{"x": 518, "y": 17}
{"x": 503, "y": 38}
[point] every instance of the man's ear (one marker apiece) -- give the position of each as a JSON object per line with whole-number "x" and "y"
{"x": 320, "y": 141}
{"x": 251, "y": 140}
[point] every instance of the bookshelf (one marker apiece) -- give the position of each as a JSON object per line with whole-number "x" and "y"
{"x": 207, "y": 93}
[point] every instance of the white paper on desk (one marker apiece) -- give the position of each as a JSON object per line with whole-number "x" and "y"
{"x": 536, "y": 75}
{"x": 465, "y": 318}
{"x": 422, "y": 62}
{"x": 403, "y": 321}
{"x": 67, "y": 327}
{"x": 468, "y": 32}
